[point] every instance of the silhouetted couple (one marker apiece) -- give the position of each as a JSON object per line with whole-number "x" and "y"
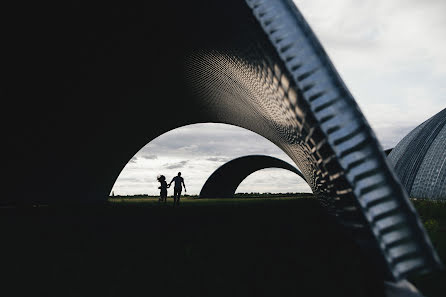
{"x": 179, "y": 182}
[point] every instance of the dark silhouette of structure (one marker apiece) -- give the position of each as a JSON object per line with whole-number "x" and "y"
{"x": 225, "y": 180}
{"x": 254, "y": 64}
{"x": 419, "y": 159}
{"x": 388, "y": 151}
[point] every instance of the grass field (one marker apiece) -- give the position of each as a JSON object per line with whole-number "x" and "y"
{"x": 433, "y": 215}
{"x": 222, "y": 247}
{"x": 194, "y": 202}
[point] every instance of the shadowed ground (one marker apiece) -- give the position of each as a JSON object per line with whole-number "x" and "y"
{"x": 242, "y": 247}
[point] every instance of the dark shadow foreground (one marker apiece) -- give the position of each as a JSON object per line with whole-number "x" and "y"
{"x": 265, "y": 248}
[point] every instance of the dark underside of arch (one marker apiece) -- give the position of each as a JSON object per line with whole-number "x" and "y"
{"x": 225, "y": 180}
{"x": 90, "y": 85}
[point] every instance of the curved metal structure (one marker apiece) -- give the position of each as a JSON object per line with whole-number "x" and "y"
{"x": 224, "y": 181}
{"x": 419, "y": 159}
{"x": 101, "y": 81}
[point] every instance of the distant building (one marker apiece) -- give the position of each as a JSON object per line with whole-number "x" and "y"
{"x": 419, "y": 159}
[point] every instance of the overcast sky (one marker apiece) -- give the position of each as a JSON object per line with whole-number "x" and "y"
{"x": 390, "y": 53}
{"x": 196, "y": 151}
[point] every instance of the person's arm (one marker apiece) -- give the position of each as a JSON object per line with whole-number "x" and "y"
{"x": 184, "y": 186}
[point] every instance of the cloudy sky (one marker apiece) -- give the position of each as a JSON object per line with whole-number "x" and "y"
{"x": 196, "y": 151}
{"x": 390, "y": 53}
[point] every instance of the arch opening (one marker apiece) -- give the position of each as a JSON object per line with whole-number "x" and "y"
{"x": 269, "y": 180}
{"x": 197, "y": 150}
{"x": 226, "y": 179}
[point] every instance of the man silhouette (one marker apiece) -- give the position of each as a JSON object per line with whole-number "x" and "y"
{"x": 177, "y": 188}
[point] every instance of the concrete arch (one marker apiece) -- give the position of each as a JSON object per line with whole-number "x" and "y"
{"x": 224, "y": 181}
{"x": 117, "y": 76}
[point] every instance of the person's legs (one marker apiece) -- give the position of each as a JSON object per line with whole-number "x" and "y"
{"x": 175, "y": 196}
{"x": 178, "y": 191}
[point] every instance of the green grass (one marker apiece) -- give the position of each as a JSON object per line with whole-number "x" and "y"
{"x": 433, "y": 216}
{"x": 193, "y": 202}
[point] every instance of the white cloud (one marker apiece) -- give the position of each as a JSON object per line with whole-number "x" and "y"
{"x": 197, "y": 151}
{"x": 177, "y": 165}
{"x": 274, "y": 181}
{"x": 390, "y": 54}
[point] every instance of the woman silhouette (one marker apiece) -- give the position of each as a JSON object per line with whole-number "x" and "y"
{"x": 163, "y": 188}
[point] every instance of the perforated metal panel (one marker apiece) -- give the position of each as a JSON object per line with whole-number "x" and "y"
{"x": 420, "y": 159}
{"x": 286, "y": 89}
